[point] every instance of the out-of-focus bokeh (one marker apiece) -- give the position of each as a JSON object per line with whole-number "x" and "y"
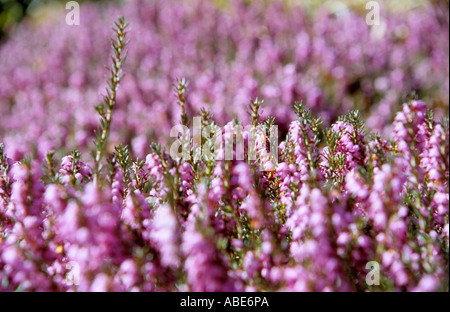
{"x": 320, "y": 52}
{"x": 13, "y": 11}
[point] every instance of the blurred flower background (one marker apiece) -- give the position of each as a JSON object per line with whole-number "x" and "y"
{"x": 323, "y": 53}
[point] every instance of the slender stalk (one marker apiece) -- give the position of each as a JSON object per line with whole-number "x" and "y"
{"x": 105, "y": 109}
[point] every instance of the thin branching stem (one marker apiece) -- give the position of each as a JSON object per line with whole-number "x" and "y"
{"x": 105, "y": 109}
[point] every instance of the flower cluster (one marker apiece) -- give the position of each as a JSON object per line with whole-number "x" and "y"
{"x": 167, "y": 224}
{"x": 337, "y": 198}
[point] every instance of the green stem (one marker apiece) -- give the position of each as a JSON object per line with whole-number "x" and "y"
{"x": 110, "y": 99}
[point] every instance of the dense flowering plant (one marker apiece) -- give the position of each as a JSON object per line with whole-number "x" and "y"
{"x": 338, "y": 201}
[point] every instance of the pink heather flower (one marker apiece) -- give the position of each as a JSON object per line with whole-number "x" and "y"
{"x": 54, "y": 197}
{"x": 398, "y": 230}
{"x": 355, "y": 186}
{"x": 217, "y": 184}
{"x": 428, "y": 283}
{"x": 445, "y": 234}
{"x": 315, "y": 249}
{"x": 92, "y": 235}
{"x": 301, "y": 150}
{"x": 100, "y": 283}
{"x": 241, "y": 180}
{"x": 388, "y": 184}
{"x": 186, "y": 178}
{"x": 206, "y": 268}
{"x": 251, "y": 265}
{"x": 265, "y": 159}
{"x": 165, "y": 235}
{"x": 117, "y": 187}
{"x": 155, "y": 172}
{"x": 409, "y": 126}
{"x": 242, "y": 176}
{"x": 137, "y": 213}
{"x": 128, "y": 274}
{"x": 350, "y": 146}
{"x": 432, "y": 159}
{"x": 252, "y": 206}
{"x": 298, "y": 221}
{"x": 69, "y": 170}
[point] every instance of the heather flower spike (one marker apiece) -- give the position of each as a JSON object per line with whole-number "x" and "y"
{"x": 105, "y": 109}
{"x": 180, "y": 92}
